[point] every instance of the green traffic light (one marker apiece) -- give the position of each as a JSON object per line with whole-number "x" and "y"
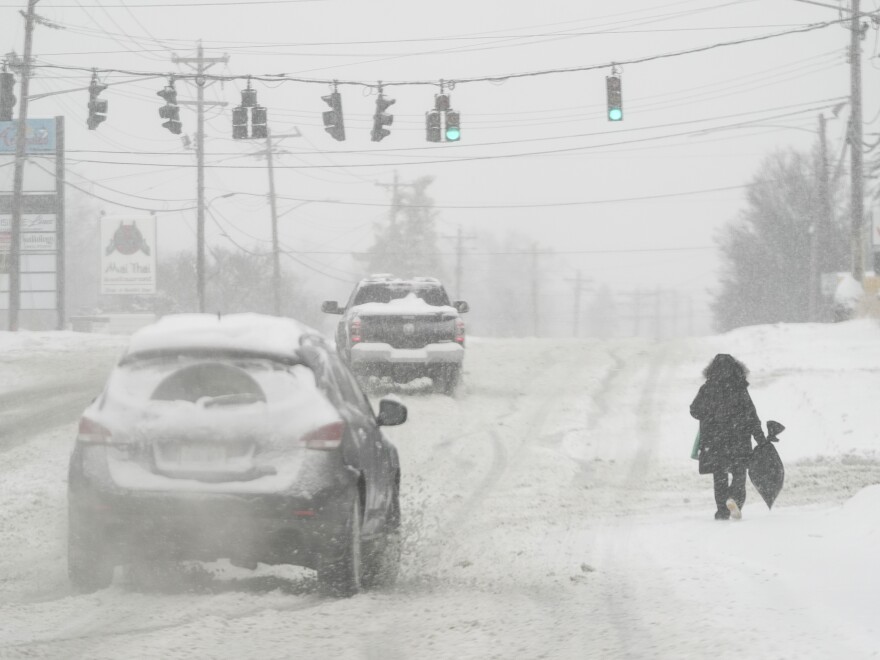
{"x": 615, "y": 114}
{"x": 453, "y": 133}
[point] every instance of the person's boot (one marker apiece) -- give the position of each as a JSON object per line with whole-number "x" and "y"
{"x": 722, "y": 514}
{"x": 734, "y": 510}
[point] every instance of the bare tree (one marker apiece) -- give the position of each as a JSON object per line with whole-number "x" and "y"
{"x": 766, "y": 251}
{"x": 407, "y": 245}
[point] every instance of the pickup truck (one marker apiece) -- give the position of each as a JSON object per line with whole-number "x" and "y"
{"x": 402, "y": 329}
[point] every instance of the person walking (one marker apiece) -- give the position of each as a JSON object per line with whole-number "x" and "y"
{"x": 728, "y": 421}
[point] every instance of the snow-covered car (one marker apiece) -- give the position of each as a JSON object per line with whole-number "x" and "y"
{"x": 242, "y": 437}
{"x": 403, "y": 329}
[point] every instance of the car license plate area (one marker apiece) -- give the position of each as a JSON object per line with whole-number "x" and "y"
{"x": 194, "y": 458}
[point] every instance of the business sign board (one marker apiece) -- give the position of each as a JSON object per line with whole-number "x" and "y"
{"x": 39, "y": 136}
{"x": 29, "y": 222}
{"x": 128, "y": 255}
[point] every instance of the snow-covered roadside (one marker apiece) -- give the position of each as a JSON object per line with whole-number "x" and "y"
{"x": 35, "y": 359}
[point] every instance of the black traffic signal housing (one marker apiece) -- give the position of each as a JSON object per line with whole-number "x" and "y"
{"x": 170, "y": 111}
{"x": 248, "y": 97}
{"x": 257, "y": 127}
{"x": 432, "y": 125}
{"x": 453, "y": 126}
{"x": 381, "y": 118}
{"x": 259, "y": 122}
{"x": 441, "y": 102}
{"x": 614, "y": 97}
{"x": 333, "y": 121}
{"x": 239, "y": 123}
{"x": 442, "y": 124}
{"x": 97, "y": 107}
{"x": 7, "y": 95}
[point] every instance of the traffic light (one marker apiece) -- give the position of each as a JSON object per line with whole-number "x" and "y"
{"x": 333, "y": 117}
{"x": 258, "y": 116}
{"x": 615, "y": 98}
{"x": 442, "y": 123}
{"x": 170, "y": 111}
{"x": 453, "y": 128}
{"x": 239, "y": 123}
{"x": 7, "y": 97}
{"x": 97, "y": 107}
{"x": 432, "y": 124}
{"x": 381, "y": 118}
{"x": 259, "y": 127}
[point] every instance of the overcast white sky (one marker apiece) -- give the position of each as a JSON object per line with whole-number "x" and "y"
{"x": 583, "y": 158}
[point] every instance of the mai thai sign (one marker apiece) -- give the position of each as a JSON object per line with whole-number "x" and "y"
{"x": 128, "y": 255}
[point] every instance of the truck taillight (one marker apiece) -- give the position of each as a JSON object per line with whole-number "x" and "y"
{"x": 459, "y": 331}
{"x": 92, "y": 432}
{"x": 355, "y": 328}
{"x": 326, "y": 437}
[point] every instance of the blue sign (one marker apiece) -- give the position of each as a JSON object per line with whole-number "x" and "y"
{"x": 40, "y": 137}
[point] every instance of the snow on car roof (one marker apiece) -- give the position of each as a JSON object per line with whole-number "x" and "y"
{"x": 249, "y": 333}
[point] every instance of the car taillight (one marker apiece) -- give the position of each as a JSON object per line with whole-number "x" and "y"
{"x": 355, "y": 330}
{"x": 91, "y": 431}
{"x": 459, "y": 331}
{"x": 325, "y": 437}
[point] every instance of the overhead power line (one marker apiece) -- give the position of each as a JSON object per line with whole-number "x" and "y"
{"x": 452, "y": 82}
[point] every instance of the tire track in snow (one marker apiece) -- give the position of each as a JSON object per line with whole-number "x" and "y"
{"x": 634, "y": 634}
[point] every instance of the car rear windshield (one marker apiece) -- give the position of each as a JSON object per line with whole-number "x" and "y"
{"x": 215, "y": 382}
{"x": 385, "y": 292}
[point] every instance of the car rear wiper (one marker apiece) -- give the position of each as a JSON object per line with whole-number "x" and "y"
{"x": 238, "y": 399}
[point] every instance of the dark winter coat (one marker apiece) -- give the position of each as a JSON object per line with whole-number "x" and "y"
{"x": 728, "y": 419}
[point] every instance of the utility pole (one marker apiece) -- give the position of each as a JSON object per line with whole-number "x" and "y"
{"x": 18, "y": 175}
{"x": 459, "y": 250}
{"x": 819, "y": 229}
{"x": 535, "y": 289}
{"x": 60, "y": 229}
{"x": 637, "y": 312}
{"x": 855, "y": 141}
{"x": 579, "y": 283}
{"x": 395, "y": 198}
{"x": 276, "y": 252}
{"x": 201, "y": 65}
{"x": 658, "y": 308}
{"x": 276, "y": 257}
{"x": 690, "y": 325}
{"x": 460, "y": 238}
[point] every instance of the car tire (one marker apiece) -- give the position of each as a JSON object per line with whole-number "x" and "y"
{"x": 88, "y": 566}
{"x": 382, "y": 556}
{"x": 340, "y": 574}
{"x": 447, "y": 379}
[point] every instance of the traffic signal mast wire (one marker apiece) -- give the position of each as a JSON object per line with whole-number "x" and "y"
{"x": 283, "y": 77}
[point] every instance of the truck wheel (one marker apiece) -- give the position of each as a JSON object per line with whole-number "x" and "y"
{"x": 89, "y": 567}
{"x": 340, "y": 575}
{"x": 448, "y": 379}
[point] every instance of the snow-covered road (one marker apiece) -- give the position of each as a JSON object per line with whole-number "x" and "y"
{"x": 550, "y": 511}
